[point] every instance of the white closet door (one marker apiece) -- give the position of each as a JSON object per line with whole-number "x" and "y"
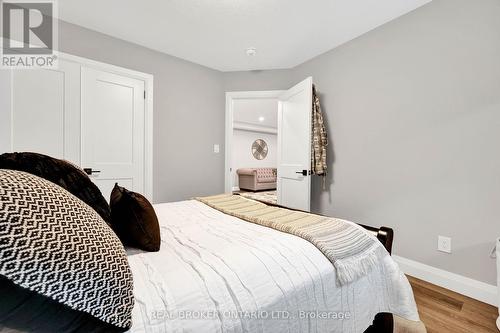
{"x": 45, "y": 111}
{"x": 113, "y": 130}
{"x": 294, "y": 146}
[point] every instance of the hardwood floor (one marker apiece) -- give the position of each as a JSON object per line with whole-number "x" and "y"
{"x": 444, "y": 311}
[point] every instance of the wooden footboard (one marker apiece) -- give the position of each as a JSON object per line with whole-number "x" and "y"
{"x": 384, "y": 234}
{"x": 383, "y": 322}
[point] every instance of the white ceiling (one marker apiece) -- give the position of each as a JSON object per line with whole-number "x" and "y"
{"x": 257, "y": 112}
{"x": 216, "y": 33}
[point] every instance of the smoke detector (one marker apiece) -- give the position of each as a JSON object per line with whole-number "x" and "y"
{"x": 251, "y": 51}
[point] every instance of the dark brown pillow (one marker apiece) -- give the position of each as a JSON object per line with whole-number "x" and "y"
{"x": 62, "y": 173}
{"x": 134, "y": 220}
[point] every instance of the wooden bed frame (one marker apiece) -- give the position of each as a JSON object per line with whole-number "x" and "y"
{"x": 383, "y": 322}
{"x": 384, "y": 234}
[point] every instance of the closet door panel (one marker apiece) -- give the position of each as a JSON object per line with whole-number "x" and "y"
{"x": 113, "y": 125}
{"x": 5, "y": 111}
{"x": 46, "y": 111}
{"x": 38, "y": 117}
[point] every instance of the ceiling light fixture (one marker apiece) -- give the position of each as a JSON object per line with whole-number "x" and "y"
{"x": 251, "y": 51}
{"x": 261, "y": 119}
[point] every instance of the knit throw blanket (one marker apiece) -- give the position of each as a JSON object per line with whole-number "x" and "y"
{"x": 350, "y": 248}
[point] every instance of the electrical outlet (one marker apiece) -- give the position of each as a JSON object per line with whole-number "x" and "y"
{"x": 216, "y": 148}
{"x": 444, "y": 244}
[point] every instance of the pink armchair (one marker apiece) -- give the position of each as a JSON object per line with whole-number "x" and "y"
{"x": 255, "y": 179}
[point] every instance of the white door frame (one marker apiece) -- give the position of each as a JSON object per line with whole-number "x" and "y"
{"x": 148, "y": 109}
{"x": 231, "y": 96}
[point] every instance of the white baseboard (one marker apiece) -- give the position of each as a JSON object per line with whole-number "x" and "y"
{"x": 236, "y": 188}
{"x": 481, "y": 291}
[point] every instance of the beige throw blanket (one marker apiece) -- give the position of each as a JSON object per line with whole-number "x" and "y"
{"x": 350, "y": 248}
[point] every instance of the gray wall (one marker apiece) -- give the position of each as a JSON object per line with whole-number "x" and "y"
{"x": 413, "y": 112}
{"x": 188, "y": 112}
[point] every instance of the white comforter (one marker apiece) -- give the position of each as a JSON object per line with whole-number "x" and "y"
{"x": 217, "y": 273}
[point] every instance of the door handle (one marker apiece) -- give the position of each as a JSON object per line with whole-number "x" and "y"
{"x": 89, "y": 171}
{"x": 304, "y": 172}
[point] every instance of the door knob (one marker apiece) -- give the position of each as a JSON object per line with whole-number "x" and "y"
{"x": 303, "y": 172}
{"x": 89, "y": 171}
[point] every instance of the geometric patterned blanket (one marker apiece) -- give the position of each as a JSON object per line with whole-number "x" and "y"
{"x": 350, "y": 248}
{"x": 54, "y": 244}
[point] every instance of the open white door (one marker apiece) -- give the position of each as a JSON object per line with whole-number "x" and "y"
{"x": 294, "y": 146}
{"x": 113, "y": 130}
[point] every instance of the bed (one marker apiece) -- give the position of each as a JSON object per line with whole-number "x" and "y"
{"x": 217, "y": 270}
{"x": 218, "y": 273}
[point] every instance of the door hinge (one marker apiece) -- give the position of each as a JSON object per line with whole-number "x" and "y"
{"x": 144, "y": 94}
